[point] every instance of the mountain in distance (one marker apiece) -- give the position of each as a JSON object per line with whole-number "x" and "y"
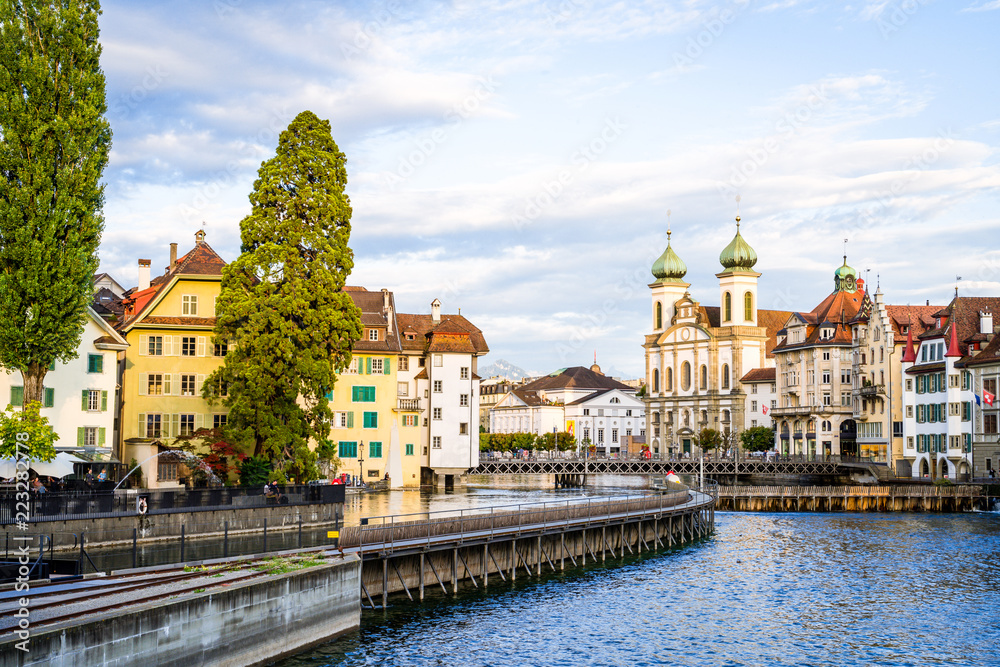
{"x": 502, "y": 368}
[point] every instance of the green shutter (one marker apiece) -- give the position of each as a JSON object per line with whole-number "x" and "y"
{"x": 350, "y": 419}
{"x": 52, "y": 366}
{"x": 86, "y": 400}
{"x": 50, "y": 398}
{"x": 79, "y": 436}
{"x": 368, "y": 365}
{"x": 101, "y": 432}
{"x": 387, "y": 366}
{"x": 104, "y": 401}
{"x": 370, "y": 394}
{"x": 17, "y": 396}
{"x": 354, "y": 394}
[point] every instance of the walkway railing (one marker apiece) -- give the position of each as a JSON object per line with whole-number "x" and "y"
{"x": 412, "y": 530}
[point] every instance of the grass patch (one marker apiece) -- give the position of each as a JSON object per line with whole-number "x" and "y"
{"x": 284, "y": 564}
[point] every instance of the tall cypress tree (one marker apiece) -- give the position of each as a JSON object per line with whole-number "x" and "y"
{"x": 54, "y": 144}
{"x": 282, "y": 309}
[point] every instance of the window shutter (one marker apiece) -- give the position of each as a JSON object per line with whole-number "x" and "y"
{"x": 104, "y": 401}
{"x": 197, "y": 386}
{"x": 199, "y": 420}
{"x": 50, "y": 397}
{"x": 142, "y": 425}
{"x": 101, "y": 435}
{"x": 143, "y": 384}
{"x": 143, "y": 345}
{"x": 201, "y": 346}
{"x": 387, "y": 366}
{"x": 368, "y": 365}
{"x": 80, "y": 435}
{"x": 86, "y": 400}
{"x": 354, "y": 394}
{"x": 350, "y": 419}
{"x": 175, "y": 425}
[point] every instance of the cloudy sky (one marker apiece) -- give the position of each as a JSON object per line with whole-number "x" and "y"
{"x": 517, "y": 159}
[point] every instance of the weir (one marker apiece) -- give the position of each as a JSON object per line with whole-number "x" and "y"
{"x": 408, "y": 554}
{"x": 877, "y": 498}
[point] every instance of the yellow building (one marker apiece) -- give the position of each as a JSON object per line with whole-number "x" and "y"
{"x": 168, "y": 324}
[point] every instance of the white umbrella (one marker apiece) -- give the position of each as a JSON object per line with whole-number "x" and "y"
{"x": 60, "y": 466}
{"x": 8, "y": 468}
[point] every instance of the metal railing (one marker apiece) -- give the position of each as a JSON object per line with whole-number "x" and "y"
{"x": 425, "y": 528}
{"x": 126, "y": 502}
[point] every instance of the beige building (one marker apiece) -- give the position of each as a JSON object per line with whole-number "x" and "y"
{"x": 697, "y": 355}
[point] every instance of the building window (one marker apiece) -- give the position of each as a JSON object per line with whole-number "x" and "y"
{"x": 155, "y": 346}
{"x": 826, "y": 377}
{"x": 187, "y": 425}
{"x": 363, "y": 394}
{"x": 725, "y": 375}
{"x": 463, "y": 374}
{"x": 166, "y": 471}
{"x": 409, "y": 449}
{"x": 614, "y": 436}
{"x": 438, "y": 360}
{"x": 628, "y": 413}
{"x": 827, "y": 426}
{"x": 670, "y": 379}
{"x": 187, "y": 385}
{"x": 95, "y": 363}
{"x": 748, "y": 306}
{"x": 753, "y": 406}
{"x": 463, "y": 400}
{"x": 373, "y": 334}
{"x": 600, "y": 436}
{"x": 374, "y": 450}
{"x": 189, "y": 305}
{"x": 220, "y": 350}
{"x": 774, "y": 403}
{"x": 728, "y": 305}
{"x": 219, "y": 421}
{"x": 704, "y": 378}
{"x": 845, "y": 398}
{"x": 586, "y": 435}
{"x": 371, "y": 420}
{"x": 586, "y": 412}
{"x": 909, "y": 411}
{"x": 188, "y": 346}
{"x": 437, "y": 413}
{"x": 826, "y": 355}
{"x": 378, "y": 365}
{"x": 686, "y": 376}
{"x": 154, "y": 384}
{"x": 656, "y": 381}
{"x": 845, "y": 377}
{"x": 953, "y": 380}
{"x": 153, "y": 426}
{"x": 989, "y": 424}
{"x": 827, "y": 399}
{"x": 658, "y": 322}
{"x": 463, "y": 428}
{"x": 437, "y": 386}
{"x": 403, "y": 363}
{"x": 436, "y": 442}
{"x": 347, "y": 450}
{"x": 402, "y": 388}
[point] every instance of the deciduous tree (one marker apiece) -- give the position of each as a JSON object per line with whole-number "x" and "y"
{"x": 54, "y": 143}
{"x": 757, "y": 439}
{"x": 281, "y": 306}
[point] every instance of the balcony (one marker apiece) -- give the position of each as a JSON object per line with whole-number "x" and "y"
{"x": 872, "y": 390}
{"x": 408, "y": 405}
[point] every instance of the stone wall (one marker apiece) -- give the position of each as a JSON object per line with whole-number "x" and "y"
{"x": 252, "y": 623}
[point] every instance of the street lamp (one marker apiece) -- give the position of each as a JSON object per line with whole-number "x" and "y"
{"x": 361, "y": 462}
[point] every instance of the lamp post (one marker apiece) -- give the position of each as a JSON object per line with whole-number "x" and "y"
{"x": 361, "y": 462}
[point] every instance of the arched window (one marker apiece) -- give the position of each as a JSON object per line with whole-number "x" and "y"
{"x": 725, "y": 416}
{"x": 727, "y": 302}
{"x": 670, "y": 379}
{"x": 748, "y": 306}
{"x": 656, "y": 380}
{"x": 615, "y": 400}
{"x": 725, "y": 376}
{"x": 686, "y": 376}
{"x": 704, "y": 377}
{"x": 659, "y": 315}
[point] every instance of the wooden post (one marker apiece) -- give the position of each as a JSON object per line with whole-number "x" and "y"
{"x": 421, "y": 577}
{"x": 486, "y": 573}
{"x": 454, "y": 571}
{"x": 385, "y": 582}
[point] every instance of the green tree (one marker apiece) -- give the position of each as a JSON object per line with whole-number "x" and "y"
{"x": 565, "y": 442}
{"x": 709, "y": 439}
{"x": 757, "y": 439}
{"x": 281, "y": 305}
{"x": 28, "y": 427}
{"x": 54, "y": 144}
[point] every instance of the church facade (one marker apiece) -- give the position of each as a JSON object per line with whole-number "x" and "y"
{"x": 696, "y": 356}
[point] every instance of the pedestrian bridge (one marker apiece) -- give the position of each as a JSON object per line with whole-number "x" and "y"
{"x": 640, "y": 466}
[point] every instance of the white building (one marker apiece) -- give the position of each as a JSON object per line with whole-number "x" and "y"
{"x": 762, "y": 395}
{"x": 592, "y": 407}
{"x": 80, "y": 396}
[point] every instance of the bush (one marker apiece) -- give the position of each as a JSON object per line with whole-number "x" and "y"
{"x": 254, "y": 471}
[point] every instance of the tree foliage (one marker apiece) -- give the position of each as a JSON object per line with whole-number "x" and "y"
{"x": 281, "y": 308}
{"x": 757, "y": 439}
{"x": 54, "y": 144}
{"x": 508, "y": 442}
{"x": 709, "y": 439}
{"x": 30, "y": 428}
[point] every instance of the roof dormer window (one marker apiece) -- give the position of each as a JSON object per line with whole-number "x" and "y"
{"x": 373, "y": 334}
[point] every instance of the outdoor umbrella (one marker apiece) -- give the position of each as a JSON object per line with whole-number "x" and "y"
{"x": 60, "y": 466}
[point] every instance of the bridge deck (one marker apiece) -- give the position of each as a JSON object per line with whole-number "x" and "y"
{"x": 596, "y": 466}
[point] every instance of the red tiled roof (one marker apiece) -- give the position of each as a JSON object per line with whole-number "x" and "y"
{"x": 577, "y": 377}
{"x": 375, "y": 315}
{"x": 837, "y": 311}
{"x": 182, "y": 321}
{"x": 990, "y": 354}
{"x": 963, "y": 313}
{"x": 759, "y": 375}
{"x": 422, "y": 333}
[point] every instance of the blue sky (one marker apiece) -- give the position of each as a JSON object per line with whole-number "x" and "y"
{"x": 518, "y": 159}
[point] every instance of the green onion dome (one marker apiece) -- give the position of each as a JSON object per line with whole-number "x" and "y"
{"x": 845, "y": 278}
{"x": 669, "y": 266}
{"x": 738, "y": 254}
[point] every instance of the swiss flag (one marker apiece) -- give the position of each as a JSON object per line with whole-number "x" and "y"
{"x": 764, "y": 409}
{"x": 988, "y": 397}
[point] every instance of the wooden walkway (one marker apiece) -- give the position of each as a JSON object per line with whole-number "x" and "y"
{"x": 877, "y": 498}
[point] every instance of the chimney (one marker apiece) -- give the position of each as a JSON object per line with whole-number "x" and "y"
{"x": 173, "y": 256}
{"x": 986, "y": 322}
{"x": 144, "y": 265}
{"x": 435, "y": 311}
{"x": 387, "y": 310}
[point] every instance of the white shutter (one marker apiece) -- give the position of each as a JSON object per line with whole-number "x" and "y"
{"x": 197, "y": 387}
{"x": 143, "y": 384}
{"x": 166, "y": 384}
{"x": 143, "y": 345}
{"x": 175, "y": 346}
{"x": 175, "y": 425}
{"x": 198, "y": 420}
{"x": 201, "y": 346}
{"x": 142, "y": 425}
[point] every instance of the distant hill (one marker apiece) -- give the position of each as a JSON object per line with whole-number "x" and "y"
{"x": 502, "y": 368}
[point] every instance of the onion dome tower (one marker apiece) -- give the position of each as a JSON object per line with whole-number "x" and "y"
{"x": 738, "y": 283}
{"x": 669, "y": 267}
{"x": 668, "y": 287}
{"x": 738, "y": 255}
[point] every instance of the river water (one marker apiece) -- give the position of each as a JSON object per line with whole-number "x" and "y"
{"x": 765, "y": 589}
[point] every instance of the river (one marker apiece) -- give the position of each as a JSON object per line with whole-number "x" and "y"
{"x": 765, "y": 589}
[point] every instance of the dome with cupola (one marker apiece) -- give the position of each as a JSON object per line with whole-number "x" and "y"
{"x": 845, "y": 278}
{"x": 738, "y": 254}
{"x": 669, "y": 267}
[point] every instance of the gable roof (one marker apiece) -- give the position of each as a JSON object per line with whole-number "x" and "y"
{"x": 374, "y": 314}
{"x": 452, "y": 333}
{"x": 962, "y": 314}
{"x": 577, "y": 377}
{"x": 760, "y": 375}
{"x": 836, "y": 311}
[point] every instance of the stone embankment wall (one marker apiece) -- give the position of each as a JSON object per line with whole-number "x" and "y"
{"x": 253, "y": 623}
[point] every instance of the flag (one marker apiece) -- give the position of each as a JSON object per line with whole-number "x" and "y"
{"x": 988, "y": 397}
{"x": 763, "y": 408}
{"x": 977, "y": 399}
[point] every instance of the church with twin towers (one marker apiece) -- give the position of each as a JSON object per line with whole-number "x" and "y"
{"x": 708, "y": 366}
